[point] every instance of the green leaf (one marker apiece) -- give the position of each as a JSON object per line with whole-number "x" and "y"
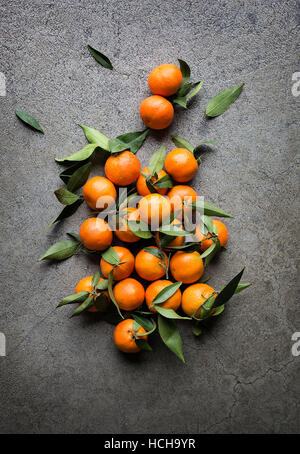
{"x": 173, "y": 230}
{"x": 196, "y": 328}
{"x": 79, "y": 177}
{"x": 191, "y": 247}
{"x": 184, "y": 89}
{"x": 218, "y": 310}
{"x": 208, "y": 251}
{"x": 61, "y": 250}
{"x": 206, "y": 309}
{"x": 242, "y": 287}
{"x": 182, "y": 143}
{"x": 95, "y": 279}
{"x": 29, "y": 120}
{"x": 96, "y": 137}
{"x": 169, "y": 313}
{"x": 143, "y": 345}
{"x": 155, "y": 251}
{"x": 229, "y": 290}
{"x": 66, "y": 212}
{"x": 100, "y": 58}
{"x": 222, "y": 101}
{"x": 157, "y": 160}
{"x": 85, "y": 305}
{"x": 130, "y": 141}
{"x": 164, "y": 182}
{"x": 166, "y": 293}
{"x": 209, "y": 209}
{"x": 140, "y": 229}
{"x": 111, "y": 294}
{"x": 213, "y": 252}
{"x": 102, "y": 285}
{"x": 66, "y": 197}
{"x": 110, "y": 256}
{"x": 147, "y": 333}
{"x": 80, "y": 155}
{"x": 76, "y": 298}
{"x": 182, "y": 101}
{"x": 143, "y": 321}
{"x": 101, "y": 302}
{"x": 185, "y": 70}
{"x": 196, "y": 89}
{"x": 66, "y": 174}
{"x": 170, "y": 336}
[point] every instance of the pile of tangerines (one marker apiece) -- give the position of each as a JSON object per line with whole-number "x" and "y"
{"x": 159, "y": 207}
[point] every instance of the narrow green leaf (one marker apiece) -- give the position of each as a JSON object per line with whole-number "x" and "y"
{"x": 147, "y": 333}
{"x": 66, "y": 212}
{"x": 155, "y": 251}
{"x": 79, "y": 177}
{"x": 102, "y": 285}
{"x": 242, "y": 287}
{"x": 166, "y": 293}
{"x": 222, "y": 101}
{"x": 76, "y": 298}
{"x": 61, "y": 250}
{"x": 66, "y": 174}
{"x": 213, "y": 252}
{"x": 184, "y": 89}
{"x": 157, "y": 160}
{"x": 169, "y": 313}
{"x": 173, "y": 230}
{"x": 100, "y": 58}
{"x": 182, "y": 101}
{"x": 101, "y": 302}
{"x": 208, "y": 251}
{"x": 182, "y": 143}
{"x": 96, "y": 137}
{"x": 196, "y": 90}
{"x": 170, "y": 336}
{"x": 95, "y": 279}
{"x": 209, "y": 210}
{"x": 129, "y": 141}
{"x": 80, "y": 155}
{"x": 196, "y": 328}
{"x": 66, "y": 197}
{"x": 110, "y": 256}
{"x": 143, "y": 321}
{"x": 164, "y": 182}
{"x": 218, "y": 310}
{"x": 206, "y": 309}
{"x": 185, "y": 70}
{"x": 29, "y": 120}
{"x": 143, "y": 345}
{"x": 111, "y": 294}
{"x": 85, "y": 305}
{"x": 140, "y": 229}
{"x": 229, "y": 290}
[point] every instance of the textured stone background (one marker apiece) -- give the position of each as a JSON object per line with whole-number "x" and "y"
{"x": 63, "y": 375}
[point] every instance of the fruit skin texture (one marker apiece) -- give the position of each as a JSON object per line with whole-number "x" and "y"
{"x": 124, "y": 233}
{"x": 99, "y": 188}
{"x": 194, "y": 296}
{"x": 153, "y": 209}
{"x": 96, "y": 234}
{"x": 129, "y": 294}
{"x": 177, "y": 195}
{"x": 156, "y": 112}
{"x": 181, "y": 164}
{"x": 121, "y": 271}
{"x": 178, "y": 240}
{"x": 165, "y": 80}
{"x": 148, "y": 266}
{"x": 186, "y": 266}
{"x": 142, "y": 187}
{"x": 222, "y": 235}
{"x": 123, "y": 169}
{"x": 123, "y": 336}
{"x": 85, "y": 285}
{"x": 155, "y": 288}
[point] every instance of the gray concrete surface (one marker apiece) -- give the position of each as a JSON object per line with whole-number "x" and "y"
{"x": 65, "y": 376}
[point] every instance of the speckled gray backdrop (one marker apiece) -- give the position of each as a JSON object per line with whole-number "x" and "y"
{"x": 63, "y": 375}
